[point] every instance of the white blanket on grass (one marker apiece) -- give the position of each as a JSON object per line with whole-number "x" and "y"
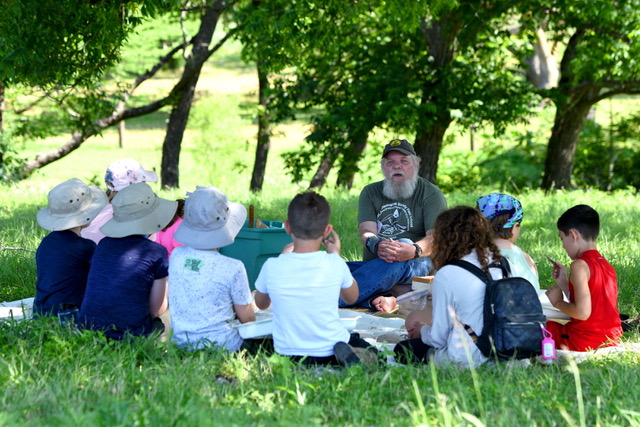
{"x": 382, "y": 332}
{"x": 16, "y": 309}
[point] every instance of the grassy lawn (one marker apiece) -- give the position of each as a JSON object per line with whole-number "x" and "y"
{"x": 53, "y": 376}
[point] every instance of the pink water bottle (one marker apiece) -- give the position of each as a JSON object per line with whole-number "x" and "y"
{"x": 548, "y": 345}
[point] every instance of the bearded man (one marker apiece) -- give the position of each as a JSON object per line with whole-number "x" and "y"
{"x": 395, "y": 217}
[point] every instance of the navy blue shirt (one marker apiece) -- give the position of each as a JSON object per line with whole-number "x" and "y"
{"x": 119, "y": 285}
{"x": 62, "y": 263}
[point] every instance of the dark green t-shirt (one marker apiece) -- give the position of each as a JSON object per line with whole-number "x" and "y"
{"x": 405, "y": 218}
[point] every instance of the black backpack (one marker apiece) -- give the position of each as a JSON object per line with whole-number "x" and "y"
{"x": 513, "y": 317}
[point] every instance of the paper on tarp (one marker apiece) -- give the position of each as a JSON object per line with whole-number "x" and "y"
{"x": 16, "y": 309}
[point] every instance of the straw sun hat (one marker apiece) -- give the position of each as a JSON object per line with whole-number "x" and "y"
{"x": 210, "y": 220}
{"x": 137, "y": 210}
{"x": 71, "y": 204}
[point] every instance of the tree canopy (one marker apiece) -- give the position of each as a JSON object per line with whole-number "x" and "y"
{"x": 412, "y": 68}
{"x": 55, "y": 42}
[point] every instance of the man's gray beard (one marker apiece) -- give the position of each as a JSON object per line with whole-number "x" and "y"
{"x": 403, "y": 190}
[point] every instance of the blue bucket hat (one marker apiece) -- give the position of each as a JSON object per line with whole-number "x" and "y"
{"x": 496, "y": 204}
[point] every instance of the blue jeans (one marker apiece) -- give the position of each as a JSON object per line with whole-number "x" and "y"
{"x": 377, "y": 277}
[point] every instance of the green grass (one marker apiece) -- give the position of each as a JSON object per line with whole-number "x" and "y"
{"x": 51, "y": 376}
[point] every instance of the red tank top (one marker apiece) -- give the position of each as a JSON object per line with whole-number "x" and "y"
{"x": 603, "y": 326}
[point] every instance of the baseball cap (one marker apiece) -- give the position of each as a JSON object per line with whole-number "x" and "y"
{"x": 122, "y": 173}
{"x": 401, "y": 145}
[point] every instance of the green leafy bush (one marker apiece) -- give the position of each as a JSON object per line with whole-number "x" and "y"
{"x": 605, "y": 159}
{"x": 10, "y": 162}
{"x": 496, "y": 166}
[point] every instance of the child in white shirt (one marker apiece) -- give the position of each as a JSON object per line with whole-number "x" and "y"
{"x": 304, "y": 285}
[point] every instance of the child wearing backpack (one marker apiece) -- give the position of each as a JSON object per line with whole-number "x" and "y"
{"x": 591, "y": 286}
{"x": 443, "y": 333}
{"x": 63, "y": 257}
{"x": 505, "y": 214}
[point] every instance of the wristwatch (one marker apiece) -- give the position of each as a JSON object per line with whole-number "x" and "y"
{"x": 418, "y": 250}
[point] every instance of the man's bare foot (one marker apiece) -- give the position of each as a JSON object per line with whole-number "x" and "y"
{"x": 385, "y": 304}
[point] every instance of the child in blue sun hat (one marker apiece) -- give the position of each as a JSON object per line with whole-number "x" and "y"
{"x": 505, "y": 214}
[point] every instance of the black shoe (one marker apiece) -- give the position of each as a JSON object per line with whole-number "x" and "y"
{"x": 344, "y": 354}
{"x": 628, "y": 324}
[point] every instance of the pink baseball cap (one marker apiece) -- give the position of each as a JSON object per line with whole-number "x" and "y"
{"x": 123, "y": 173}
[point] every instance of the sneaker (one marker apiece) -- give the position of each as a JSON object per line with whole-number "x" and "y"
{"x": 368, "y": 356}
{"x": 344, "y": 354}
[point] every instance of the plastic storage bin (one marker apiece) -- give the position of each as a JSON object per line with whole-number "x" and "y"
{"x": 253, "y": 246}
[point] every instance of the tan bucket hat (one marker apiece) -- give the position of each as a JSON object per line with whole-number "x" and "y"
{"x": 71, "y": 204}
{"x": 137, "y": 210}
{"x": 210, "y": 221}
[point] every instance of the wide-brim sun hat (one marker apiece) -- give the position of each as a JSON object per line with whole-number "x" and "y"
{"x": 71, "y": 204}
{"x": 122, "y": 173}
{"x": 210, "y": 220}
{"x": 137, "y": 210}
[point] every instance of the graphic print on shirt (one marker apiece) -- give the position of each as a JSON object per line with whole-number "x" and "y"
{"x": 394, "y": 219}
{"x": 192, "y": 264}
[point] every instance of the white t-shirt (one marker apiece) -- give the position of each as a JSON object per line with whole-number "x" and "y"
{"x": 304, "y": 291}
{"x": 203, "y": 286}
{"x": 458, "y": 298}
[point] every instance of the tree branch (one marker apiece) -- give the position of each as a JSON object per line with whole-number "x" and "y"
{"x": 221, "y": 42}
{"x": 619, "y": 91}
{"x": 118, "y": 114}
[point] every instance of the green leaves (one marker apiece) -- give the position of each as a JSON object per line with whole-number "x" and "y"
{"x": 66, "y": 42}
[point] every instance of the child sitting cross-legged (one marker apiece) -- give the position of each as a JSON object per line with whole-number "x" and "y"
{"x": 505, "y": 214}
{"x": 304, "y": 285}
{"x": 206, "y": 288}
{"x": 63, "y": 257}
{"x": 127, "y": 283}
{"x": 591, "y": 286}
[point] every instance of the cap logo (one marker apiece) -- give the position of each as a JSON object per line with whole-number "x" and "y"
{"x": 395, "y": 143}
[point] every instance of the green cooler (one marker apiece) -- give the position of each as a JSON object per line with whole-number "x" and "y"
{"x": 254, "y": 245}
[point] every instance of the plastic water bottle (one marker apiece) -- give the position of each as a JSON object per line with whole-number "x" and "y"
{"x": 548, "y": 345}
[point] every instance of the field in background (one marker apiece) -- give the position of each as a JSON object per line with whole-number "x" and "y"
{"x": 219, "y": 149}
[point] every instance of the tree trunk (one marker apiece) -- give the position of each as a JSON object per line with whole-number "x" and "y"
{"x": 170, "y": 172}
{"x": 569, "y": 121}
{"x": 184, "y": 96}
{"x": 428, "y": 145}
{"x": 543, "y": 69}
{"x": 440, "y": 39}
{"x": 1, "y": 108}
{"x": 350, "y": 160}
{"x": 320, "y": 178}
{"x": 121, "y": 132}
{"x": 264, "y": 133}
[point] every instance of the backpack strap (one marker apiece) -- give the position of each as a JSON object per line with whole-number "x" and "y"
{"x": 485, "y": 277}
{"x": 504, "y": 264}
